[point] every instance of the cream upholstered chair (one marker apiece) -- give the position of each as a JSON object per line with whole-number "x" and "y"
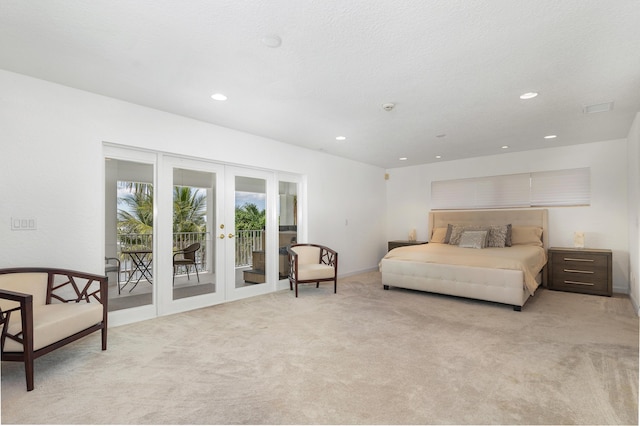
{"x": 312, "y": 263}
{"x": 43, "y": 309}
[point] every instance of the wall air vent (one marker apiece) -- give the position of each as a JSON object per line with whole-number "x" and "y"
{"x": 591, "y": 109}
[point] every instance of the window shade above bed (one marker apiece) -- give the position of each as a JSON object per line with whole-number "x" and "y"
{"x": 555, "y": 188}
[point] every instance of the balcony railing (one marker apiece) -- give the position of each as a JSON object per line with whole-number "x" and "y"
{"x": 246, "y": 243}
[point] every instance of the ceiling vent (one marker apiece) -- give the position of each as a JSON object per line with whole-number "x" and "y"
{"x": 592, "y": 109}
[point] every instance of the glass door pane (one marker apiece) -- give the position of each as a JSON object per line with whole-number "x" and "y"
{"x": 194, "y": 216}
{"x": 251, "y": 232}
{"x": 287, "y": 223}
{"x": 251, "y": 261}
{"x": 129, "y": 204}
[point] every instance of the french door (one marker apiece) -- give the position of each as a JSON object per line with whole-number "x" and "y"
{"x": 232, "y": 258}
{"x": 250, "y": 249}
{"x": 218, "y": 234}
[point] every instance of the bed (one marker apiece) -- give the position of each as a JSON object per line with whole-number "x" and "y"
{"x": 491, "y": 255}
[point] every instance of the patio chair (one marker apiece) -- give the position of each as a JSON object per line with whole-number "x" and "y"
{"x": 312, "y": 263}
{"x": 186, "y": 258}
{"x": 110, "y": 267}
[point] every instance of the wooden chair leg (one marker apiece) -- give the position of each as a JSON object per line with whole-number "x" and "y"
{"x": 104, "y": 337}
{"x": 296, "y": 288}
{"x": 26, "y": 310}
{"x": 28, "y": 370}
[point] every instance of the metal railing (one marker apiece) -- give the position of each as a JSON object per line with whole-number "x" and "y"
{"x": 246, "y": 243}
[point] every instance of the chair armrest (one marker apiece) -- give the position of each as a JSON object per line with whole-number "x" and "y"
{"x": 14, "y": 295}
{"x": 328, "y": 256}
{"x": 108, "y": 259}
{"x": 293, "y": 262}
{"x": 25, "y": 336}
{"x": 291, "y": 252}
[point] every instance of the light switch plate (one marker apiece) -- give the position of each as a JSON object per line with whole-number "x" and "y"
{"x": 24, "y": 224}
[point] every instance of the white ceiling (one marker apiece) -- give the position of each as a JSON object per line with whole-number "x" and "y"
{"x": 452, "y": 67}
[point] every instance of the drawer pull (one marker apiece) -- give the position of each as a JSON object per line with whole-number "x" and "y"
{"x": 577, "y": 271}
{"x": 573, "y": 259}
{"x": 577, "y": 282}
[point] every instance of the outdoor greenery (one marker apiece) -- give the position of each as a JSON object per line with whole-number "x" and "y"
{"x": 189, "y": 211}
{"x": 137, "y": 217}
{"x": 250, "y": 218}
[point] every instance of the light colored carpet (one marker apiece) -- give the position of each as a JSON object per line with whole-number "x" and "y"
{"x": 362, "y": 356}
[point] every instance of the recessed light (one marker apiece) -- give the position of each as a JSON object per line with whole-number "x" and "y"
{"x": 505, "y": 146}
{"x": 551, "y": 136}
{"x": 218, "y": 97}
{"x": 403, "y": 158}
{"x": 341, "y": 138}
{"x": 528, "y": 95}
{"x": 438, "y": 156}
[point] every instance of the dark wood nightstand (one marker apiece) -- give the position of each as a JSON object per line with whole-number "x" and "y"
{"x": 581, "y": 270}
{"x": 400, "y": 243}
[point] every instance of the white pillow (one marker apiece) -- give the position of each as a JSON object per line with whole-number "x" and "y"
{"x": 473, "y": 239}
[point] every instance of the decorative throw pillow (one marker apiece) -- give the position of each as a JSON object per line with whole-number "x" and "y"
{"x": 507, "y": 242}
{"x": 448, "y": 236}
{"x": 497, "y": 236}
{"x": 457, "y": 230}
{"x": 473, "y": 239}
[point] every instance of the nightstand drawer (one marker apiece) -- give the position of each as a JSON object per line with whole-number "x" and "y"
{"x": 580, "y": 277}
{"x": 588, "y": 261}
{"x": 580, "y": 270}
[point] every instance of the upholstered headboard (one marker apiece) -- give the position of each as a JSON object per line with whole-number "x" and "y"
{"x": 519, "y": 217}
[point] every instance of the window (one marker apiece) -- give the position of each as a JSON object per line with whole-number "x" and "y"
{"x": 555, "y": 188}
{"x": 561, "y": 188}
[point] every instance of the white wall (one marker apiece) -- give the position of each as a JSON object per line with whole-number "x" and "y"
{"x": 51, "y": 168}
{"x": 633, "y": 159}
{"x": 604, "y": 222}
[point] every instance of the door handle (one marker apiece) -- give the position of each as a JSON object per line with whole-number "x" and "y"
{"x": 230, "y": 235}
{"x": 221, "y": 236}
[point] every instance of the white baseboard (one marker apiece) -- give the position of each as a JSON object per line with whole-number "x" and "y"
{"x": 348, "y": 274}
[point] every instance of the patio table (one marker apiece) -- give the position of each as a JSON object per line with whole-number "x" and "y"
{"x": 141, "y": 260}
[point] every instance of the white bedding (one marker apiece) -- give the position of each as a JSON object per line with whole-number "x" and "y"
{"x": 529, "y": 259}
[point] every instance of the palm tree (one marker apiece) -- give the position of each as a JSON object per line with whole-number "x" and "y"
{"x": 189, "y": 209}
{"x": 138, "y": 217}
{"x": 250, "y": 218}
